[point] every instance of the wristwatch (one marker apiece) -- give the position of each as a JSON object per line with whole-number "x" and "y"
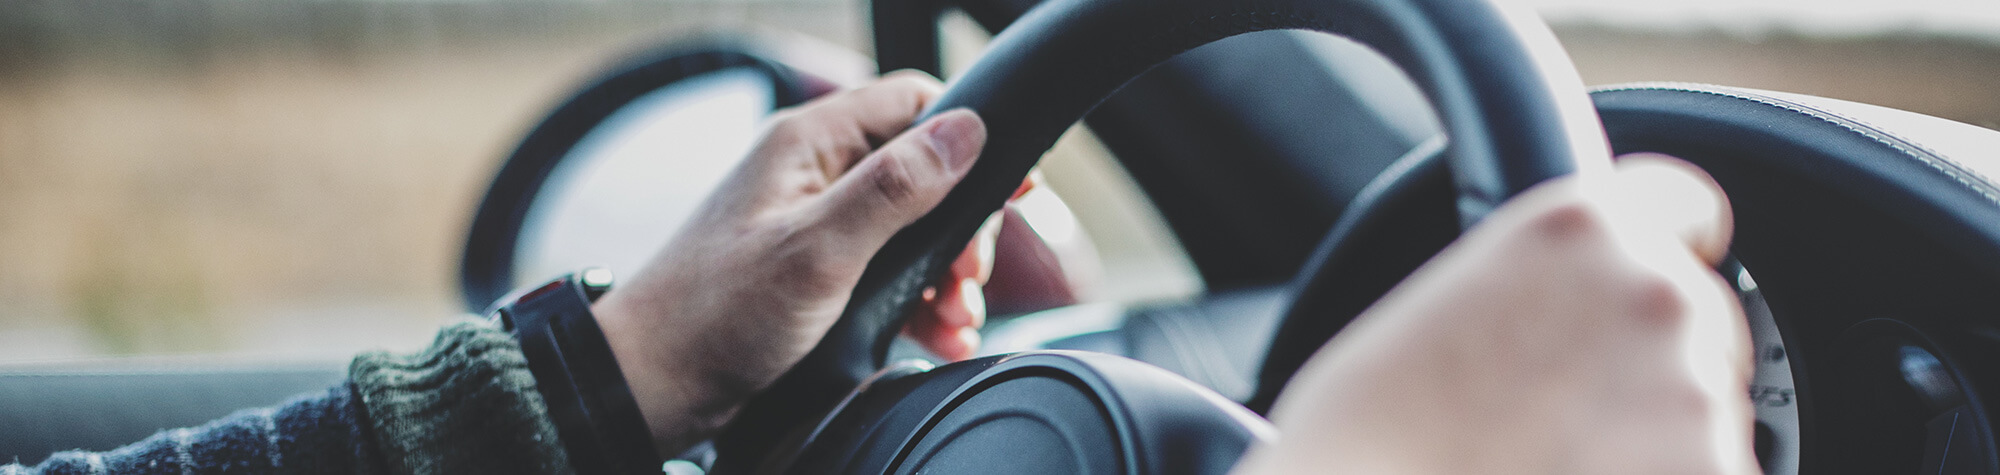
{"x": 579, "y": 379}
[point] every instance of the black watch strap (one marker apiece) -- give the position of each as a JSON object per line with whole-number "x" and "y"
{"x": 593, "y": 409}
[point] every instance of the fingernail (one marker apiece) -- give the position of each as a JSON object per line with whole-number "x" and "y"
{"x": 970, "y": 338}
{"x": 956, "y": 137}
{"x": 974, "y": 297}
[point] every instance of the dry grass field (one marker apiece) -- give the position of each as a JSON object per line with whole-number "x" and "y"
{"x": 293, "y": 177}
{"x": 279, "y": 177}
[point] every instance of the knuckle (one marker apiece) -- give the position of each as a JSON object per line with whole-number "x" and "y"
{"x": 1685, "y": 398}
{"x": 920, "y": 86}
{"x": 909, "y": 78}
{"x": 892, "y": 179}
{"x": 1566, "y": 222}
{"x": 1655, "y": 299}
{"x": 830, "y": 149}
{"x": 789, "y": 123}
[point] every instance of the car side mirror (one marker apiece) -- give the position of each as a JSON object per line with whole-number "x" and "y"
{"x": 610, "y": 175}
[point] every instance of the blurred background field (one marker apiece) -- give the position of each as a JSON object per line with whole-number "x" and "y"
{"x": 292, "y": 178}
{"x": 278, "y": 176}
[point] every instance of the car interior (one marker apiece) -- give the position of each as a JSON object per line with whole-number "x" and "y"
{"x": 1307, "y": 155}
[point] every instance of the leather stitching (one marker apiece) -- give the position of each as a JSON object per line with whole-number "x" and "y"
{"x": 1971, "y": 180}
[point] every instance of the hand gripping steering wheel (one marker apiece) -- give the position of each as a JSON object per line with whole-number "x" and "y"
{"x": 1514, "y": 109}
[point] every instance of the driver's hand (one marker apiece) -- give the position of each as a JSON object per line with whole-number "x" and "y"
{"x": 1578, "y": 330}
{"x": 767, "y": 264}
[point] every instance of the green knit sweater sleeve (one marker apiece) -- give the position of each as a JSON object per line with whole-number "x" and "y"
{"x": 467, "y": 404}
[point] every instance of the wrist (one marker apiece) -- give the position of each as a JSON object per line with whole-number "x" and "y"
{"x": 577, "y": 374}
{"x": 682, "y": 400}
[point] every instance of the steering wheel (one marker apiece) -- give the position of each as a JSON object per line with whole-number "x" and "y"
{"x": 1508, "y": 97}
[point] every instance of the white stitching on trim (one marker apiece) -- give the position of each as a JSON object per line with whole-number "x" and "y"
{"x": 1955, "y": 171}
{"x": 271, "y": 435}
{"x": 182, "y": 452}
{"x": 1958, "y": 164}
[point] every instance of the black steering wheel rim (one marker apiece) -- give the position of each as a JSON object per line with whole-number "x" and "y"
{"x": 1514, "y": 106}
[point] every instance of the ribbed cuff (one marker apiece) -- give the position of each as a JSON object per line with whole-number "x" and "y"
{"x": 467, "y": 404}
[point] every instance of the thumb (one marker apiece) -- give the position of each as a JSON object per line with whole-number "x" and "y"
{"x": 1678, "y": 198}
{"x": 905, "y": 178}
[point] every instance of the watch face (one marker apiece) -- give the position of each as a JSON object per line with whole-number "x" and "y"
{"x": 595, "y": 281}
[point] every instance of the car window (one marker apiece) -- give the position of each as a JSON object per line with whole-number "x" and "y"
{"x": 284, "y": 177}
{"x": 294, "y": 177}
{"x": 1930, "y": 56}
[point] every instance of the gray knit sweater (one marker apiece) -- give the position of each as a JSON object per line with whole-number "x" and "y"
{"x": 467, "y": 404}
